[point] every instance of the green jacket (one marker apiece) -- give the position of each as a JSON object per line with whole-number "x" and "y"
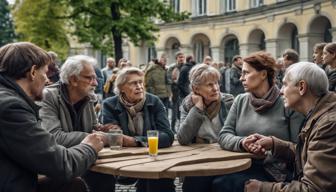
{"x": 156, "y": 81}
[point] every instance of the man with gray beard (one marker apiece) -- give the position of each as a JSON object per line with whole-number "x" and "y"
{"x": 68, "y": 111}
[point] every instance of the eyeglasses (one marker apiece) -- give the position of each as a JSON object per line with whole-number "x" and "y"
{"x": 89, "y": 78}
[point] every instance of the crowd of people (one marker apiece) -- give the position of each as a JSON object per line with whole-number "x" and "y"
{"x": 53, "y": 118}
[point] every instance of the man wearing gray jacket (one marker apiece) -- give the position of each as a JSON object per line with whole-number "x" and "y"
{"x": 26, "y": 149}
{"x": 67, "y": 111}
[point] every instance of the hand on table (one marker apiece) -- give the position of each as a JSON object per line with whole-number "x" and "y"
{"x": 95, "y": 141}
{"x": 129, "y": 141}
{"x": 257, "y": 144}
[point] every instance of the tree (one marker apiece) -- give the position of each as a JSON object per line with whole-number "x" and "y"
{"x": 37, "y": 21}
{"x": 7, "y": 34}
{"x": 104, "y": 23}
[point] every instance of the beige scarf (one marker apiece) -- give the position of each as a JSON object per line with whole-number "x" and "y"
{"x": 135, "y": 115}
{"x": 211, "y": 110}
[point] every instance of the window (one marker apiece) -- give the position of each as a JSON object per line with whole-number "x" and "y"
{"x": 199, "y": 7}
{"x": 256, "y": 3}
{"x": 231, "y": 48}
{"x": 199, "y": 51}
{"x": 175, "y": 4}
{"x": 151, "y": 53}
{"x": 295, "y": 44}
{"x": 230, "y": 5}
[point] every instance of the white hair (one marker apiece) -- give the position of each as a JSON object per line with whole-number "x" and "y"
{"x": 312, "y": 74}
{"x": 74, "y": 65}
{"x": 122, "y": 77}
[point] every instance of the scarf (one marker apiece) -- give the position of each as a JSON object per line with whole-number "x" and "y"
{"x": 267, "y": 101}
{"x": 135, "y": 115}
{"x": 211, "y": 110}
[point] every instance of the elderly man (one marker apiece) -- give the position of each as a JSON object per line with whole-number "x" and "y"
{"x": 68, "y": 111}
{"x": 26, "y": 149}
{"x": 305, "y": 89}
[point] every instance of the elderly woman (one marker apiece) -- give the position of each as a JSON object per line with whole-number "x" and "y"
{"x": 260, "y": 110}
{"x": 204, "y": 110}
{"x": 329, "y": 59}
{"x": 203, "y": 113}
{"x": 305, "y": 90}
{"x": 134, "y": 112}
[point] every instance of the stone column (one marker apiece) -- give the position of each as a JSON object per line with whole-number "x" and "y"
{"x": 307, "y": 42}
{"x": 217, "y": 54}
{"x": 272, "y": 47}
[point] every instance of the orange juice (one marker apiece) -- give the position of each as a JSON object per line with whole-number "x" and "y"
{"x": 153, "y": 145}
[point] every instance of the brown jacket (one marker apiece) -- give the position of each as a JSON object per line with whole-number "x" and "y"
{"x": 316, "y": 161}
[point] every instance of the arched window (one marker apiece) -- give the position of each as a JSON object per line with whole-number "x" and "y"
{"x": 327, "y": 37}
{"x": 262, "y": 45}
{"x": 295, "y": 40}
{"x": 199, "y": 51}
{"x": 231, "y": 49}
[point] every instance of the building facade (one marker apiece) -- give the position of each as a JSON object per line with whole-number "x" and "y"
{"x": 224, "y": 28}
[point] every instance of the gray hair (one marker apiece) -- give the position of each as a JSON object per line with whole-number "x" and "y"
{"x": 312, "y": 74}
{"x": 201, "y": 73}
{"x": 74, "y": 65}
{"x": 122, "y": 77}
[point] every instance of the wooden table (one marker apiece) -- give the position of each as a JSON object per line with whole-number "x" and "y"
{"x": 175, "y": 161}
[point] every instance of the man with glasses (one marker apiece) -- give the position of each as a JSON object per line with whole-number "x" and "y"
{"x": 68, "y": 111}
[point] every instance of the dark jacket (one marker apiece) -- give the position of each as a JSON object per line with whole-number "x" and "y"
{"x": 315, "y": 157}
{"x": 154, "y": 115}
{"x": 183, "y": 80}
{"x": 27, "y": 150}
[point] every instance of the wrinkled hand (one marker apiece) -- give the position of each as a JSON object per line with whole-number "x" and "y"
{"x": 94, "y": 140}
{"x": 247, "y": 141}
{"x": 260, "y": 144}
{"x": 107, "y": 127}
{"x": 198, "y": 101}
{"x": 129, "y": 141}
{"x": 102, "y": 137}
{"x": 252, "y": 185}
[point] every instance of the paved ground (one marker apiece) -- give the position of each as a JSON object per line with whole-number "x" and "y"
{"x": 131, "y": 188}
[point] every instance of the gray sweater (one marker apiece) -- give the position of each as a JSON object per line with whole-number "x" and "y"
{"x": 243, "y": 121}
{"x": 195, "y": 123}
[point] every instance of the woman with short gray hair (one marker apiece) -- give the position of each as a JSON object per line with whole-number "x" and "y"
{"x": 203, "y": 113}
{"x": 134, "y": 112}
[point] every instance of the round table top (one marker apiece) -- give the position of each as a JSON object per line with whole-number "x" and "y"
{"x": 175, "y": 161}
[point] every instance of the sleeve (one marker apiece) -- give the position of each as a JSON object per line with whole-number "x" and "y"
{"x": 190, "y": 123}
{"x": 149, "y": 83}
{"x": 228, "y": 138}
{"x": 25, "y": 142}
{"x": 319, "y": 166}
{"x": 107, "y": 112}
{"x": 50, "y": 115}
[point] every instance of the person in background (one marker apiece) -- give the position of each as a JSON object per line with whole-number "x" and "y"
{"x": 290, "y": 56}
{"x": 259, "y": 110}
{"x": 232, "y": 76}
{"x": 108, "y": 69}
{"x": 280, "y": 71}
{"x": 26, "y": 148}
{"x": 67, "y": 111}
{"x": 134, "y": 112}
{"x": 305, "y": 90}
{"x": 183, "y": 80}
{"x": 53, "y": 70}
{"x": 329, "y": 59}
{"x": 156, "y": 81}
{"x": 173, "y": 74}
{"x": 207, "y": 60}
{"x": 318, "y": 53}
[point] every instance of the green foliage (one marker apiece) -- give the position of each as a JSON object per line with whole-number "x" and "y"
{"x": 100, "y": 21}
{"x": 37, "y": 21}
{"x": 7, "y": 34}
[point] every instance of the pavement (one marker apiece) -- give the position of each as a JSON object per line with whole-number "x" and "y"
{"x": 131, "y": 188}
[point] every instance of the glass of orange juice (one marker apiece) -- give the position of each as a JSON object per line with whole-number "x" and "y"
{"x": 153, "y": 142}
